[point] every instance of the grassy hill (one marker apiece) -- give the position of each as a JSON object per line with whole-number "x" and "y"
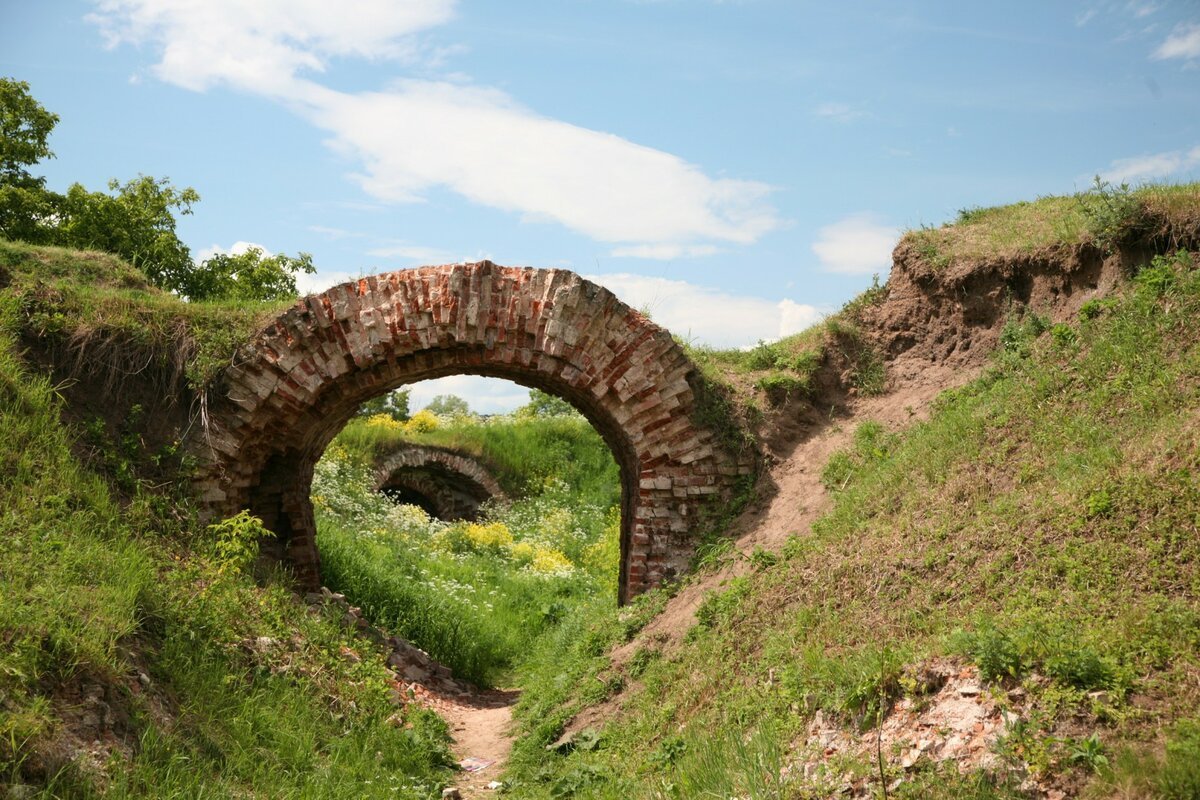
{"x": 1030, "y": 547}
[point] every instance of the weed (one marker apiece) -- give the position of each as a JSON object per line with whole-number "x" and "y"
{"x": 1089, "y": 752}
{"x": 1112, "y": 213}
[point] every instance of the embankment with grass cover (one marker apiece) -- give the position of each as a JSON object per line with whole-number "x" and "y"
{"x": 138, "y": 655}
{"x": 1039, "y": 532}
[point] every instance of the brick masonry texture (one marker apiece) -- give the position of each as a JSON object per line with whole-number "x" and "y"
{"x": 453, "y": 484}
{"x": 306, "y": 374}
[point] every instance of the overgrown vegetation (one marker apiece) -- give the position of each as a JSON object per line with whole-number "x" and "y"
{"x": 475, "y": 595}
{"x": 1042, "y": 524}
{"x": 125, "y": 623}
{"x": 1106, "y": 216}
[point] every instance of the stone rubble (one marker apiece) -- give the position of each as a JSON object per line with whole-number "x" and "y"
{"x": 957, "y": 721}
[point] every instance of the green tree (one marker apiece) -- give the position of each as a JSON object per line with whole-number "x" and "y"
{"x": 394, "y": 404}
{"x": 26, "y": 208}
{"x": 544, "y": 404}
{"x": 448, "y": 405}
{"x": 136, "y": 223}
{"x": 251, "y": 275}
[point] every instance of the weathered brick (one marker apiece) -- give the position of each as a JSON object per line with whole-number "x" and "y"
{"x": 327, "y": 354}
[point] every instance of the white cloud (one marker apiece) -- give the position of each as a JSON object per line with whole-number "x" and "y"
{"x": 484, "y": 146}
{"x": 664, "y": 252}
{"x": 839, "y": 112}
{"x": 414, "y": 253}
{"x": 1155, "y": 165}
{"x": 322, "y": 280}
{"x": 1183, "y": 42}
{"x": 421, "y": 135}
{"x": 707, "y": 315}
{"x": 857, "y": 245}
{"x": 260, "y": 46}
{"x": 235, "y": 249}
{"x": 483, "y": 395}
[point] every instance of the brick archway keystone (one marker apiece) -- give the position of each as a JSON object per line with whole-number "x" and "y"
{"x": 307, "y": 373}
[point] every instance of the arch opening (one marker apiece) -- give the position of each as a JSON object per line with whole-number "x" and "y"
{"x": 551, "y": 330}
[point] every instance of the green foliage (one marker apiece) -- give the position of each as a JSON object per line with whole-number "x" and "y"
{"x": 718, "y": 606}
{"x": 235, "y": 541}
{"x": 25, "y": 128}
{"x": 528, "y": 455}
{"x": 1089, "y": 752}
{"x": 243, "y": 693}
{"x": 393, "y": 404}
{"x": 870, "y": 446}
{"x": 136, "y": 223}
{"x": 1105, "y": 215}
{"x": 993, "y": 651}
{"x": 1112, "y": 213}
{"x": 448, "y": 405}
{"x": 544, "y": 404}
{"x": 474, "y": 595}
{"x": 1172, "y": 775}
{"x": 858, "y": 686}
{"x": 252, "y": 275}
{"x": 1049, "y": 508}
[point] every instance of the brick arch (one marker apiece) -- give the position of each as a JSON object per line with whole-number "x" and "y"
{"x": 307, "y": 372}
{"x": 453, "y": 483}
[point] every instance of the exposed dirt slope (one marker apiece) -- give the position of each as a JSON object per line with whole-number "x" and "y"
{"x": 935, "y": 330}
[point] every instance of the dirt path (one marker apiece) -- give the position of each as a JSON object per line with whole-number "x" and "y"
{"x": 480, "y": 723}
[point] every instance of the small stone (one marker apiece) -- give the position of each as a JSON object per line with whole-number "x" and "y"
{"x": 143, "y": 679}
{"x": 1016, "y": 693}
{"x": 969, "y": 689}
{"x": 451, "y": 793}
{"x": 495, "y": 785}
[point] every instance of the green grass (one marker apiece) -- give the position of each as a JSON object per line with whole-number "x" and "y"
{"x": 1043, "y": 521}
{"x": 1105, "y": 217}
{"x": 475, "y": 596}
{"x": 525, "y": 453}
{"x": 108, "y": 316}
{"x": 97, "y": 588}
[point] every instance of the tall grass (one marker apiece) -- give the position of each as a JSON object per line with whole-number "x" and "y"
{"x": 476, "y": 596}
{"x": 213, "y": 685}
{"x": 1042, "y": 522}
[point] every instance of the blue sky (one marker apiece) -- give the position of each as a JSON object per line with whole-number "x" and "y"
{"x": 738, "y": 168}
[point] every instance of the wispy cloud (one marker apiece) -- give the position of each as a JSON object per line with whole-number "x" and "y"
{"x": 1154, "y": 165}
{"x": 838, "y": 112}
{"x": 335, "y": 234}
{"x": 421, "y": 135}
{"x": 414, "y": 253}
{"x": 664, "y": 252}
{"x": 1183, "y": 42}
{"x": 708, "y": 315}
{"x": 1141, "y": 9}
{"x": 235, "y": 249}
{"x": 856, "y": 245}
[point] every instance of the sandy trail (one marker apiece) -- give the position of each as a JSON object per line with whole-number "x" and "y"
{"x": 480, "y": 722}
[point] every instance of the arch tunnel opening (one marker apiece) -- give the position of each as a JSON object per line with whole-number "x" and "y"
{"x": 304, "y": 377}
{"x": 510, "y": 517}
